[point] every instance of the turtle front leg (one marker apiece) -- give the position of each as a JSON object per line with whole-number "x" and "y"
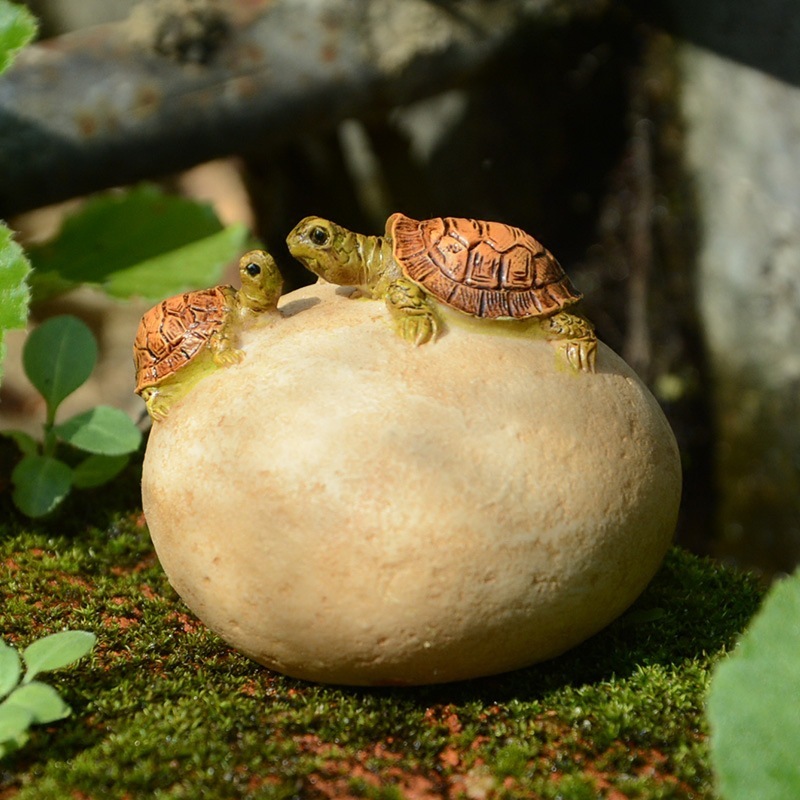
{"x": 157, "y": 402}
{"x": 414, "y": 317}
{"x": 223, "y": 353}
{"x": 577, "y": 338}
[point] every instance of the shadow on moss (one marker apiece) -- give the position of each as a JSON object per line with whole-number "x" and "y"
{"x": 163, "y": 708}
{"x": 692, "y": 608}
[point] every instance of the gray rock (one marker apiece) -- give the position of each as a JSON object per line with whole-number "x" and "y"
{"x": 743, "y": 146}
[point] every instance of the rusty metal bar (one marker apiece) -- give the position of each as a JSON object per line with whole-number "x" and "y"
{"x": 98, "y": 108}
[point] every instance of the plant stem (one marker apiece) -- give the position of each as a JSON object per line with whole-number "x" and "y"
{"x": 50, "y": 441}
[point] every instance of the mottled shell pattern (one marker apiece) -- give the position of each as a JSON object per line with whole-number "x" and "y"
{"x": 486, "y": 269}
{"x": 172, "y": 333}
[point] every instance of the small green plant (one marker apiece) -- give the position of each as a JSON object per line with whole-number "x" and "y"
{"x": 58, "y": 357}
{"x": 26, "y": 701}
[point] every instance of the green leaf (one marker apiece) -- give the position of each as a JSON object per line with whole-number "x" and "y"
{"x": 104, "y": 430}
{"x": 196, "y": 264}
{"x": 140, "y": 243}
{"x": 40, "y": 484}
{"x": 14, "y": 721}
{"x": 58, "y": 357}
{"x": 752, "y": 705}
{"x": 56, "y": 651}
{"x": 10, "y": 668}
{"x": 14, "y": 291}
{"x": 42, "y": 701}
{"x": 97, "y": 470}
{"x": 27, "y": 445}
{"x": 17, "y": 28}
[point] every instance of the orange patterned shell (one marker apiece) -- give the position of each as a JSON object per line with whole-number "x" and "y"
{"x": 172, "y": 333}
{"x": 486, "y": 269}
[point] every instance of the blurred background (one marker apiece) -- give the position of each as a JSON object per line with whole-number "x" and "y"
{"x": 653, "y": 147}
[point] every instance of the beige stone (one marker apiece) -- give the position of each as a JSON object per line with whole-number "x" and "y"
{"x": 344, "y": 507}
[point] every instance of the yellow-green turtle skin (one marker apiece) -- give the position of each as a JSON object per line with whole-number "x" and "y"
{"x": 186, "y": 337}
{"x": 487, "y": 270}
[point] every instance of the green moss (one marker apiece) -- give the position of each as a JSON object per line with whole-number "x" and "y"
{"x": 164, "y": 709}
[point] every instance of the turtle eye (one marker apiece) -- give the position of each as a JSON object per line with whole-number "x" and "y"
{"x": 318, "y": 236}
{"x": 252, "y": 269}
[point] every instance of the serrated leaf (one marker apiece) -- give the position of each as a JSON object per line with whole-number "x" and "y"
{"x": 17, "y": 28}
{"x": 58, "y": 357}
{"x": 141, "y": 243}
{"x": 97, "y": 470}
{"x": 14, "y": 291}
{"x": 10, "y": 668}
{"x": 104, "y": 430}
{"x": 56, "y": 651}
{"x": 752, "y": 708}
{"x": 27, "y": 445}
{"x": 42, "y": 701}
{"x": 14, "y": 721}
{"x": 40, "y": 484}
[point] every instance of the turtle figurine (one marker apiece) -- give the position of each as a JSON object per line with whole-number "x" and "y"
{"x": 185, "y": 337}
{"x": 488, "y": 270}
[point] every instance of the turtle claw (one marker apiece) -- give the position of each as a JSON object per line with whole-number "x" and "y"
{"x": 576, "y": 338}
{"x": 157, "y": 404}
{"x": 581, "y": 354}
{"x": 414, "y": 318}
{"x": 426, "y": 333}
{"x": 227, "y": 357}
{"x": 158, "y": 414}
{"x": 419, "y": 329}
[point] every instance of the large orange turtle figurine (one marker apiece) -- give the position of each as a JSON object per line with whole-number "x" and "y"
{"x": 485, "y": 269}
{"x": 185, "y": 337}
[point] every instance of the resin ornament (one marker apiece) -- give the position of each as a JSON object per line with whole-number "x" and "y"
{"x": 344, "y": 508}
{"x": 487, "y": 270}
{"x": 187, "y": 336}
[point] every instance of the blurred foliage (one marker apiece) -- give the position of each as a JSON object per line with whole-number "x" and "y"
{"x": 17, "y": 28}
{"x": 137, "y": 243}
{"x": 752, "y": 706}
{"x": 14, "y": 292}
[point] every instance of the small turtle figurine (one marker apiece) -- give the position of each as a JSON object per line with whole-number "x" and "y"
{"x": 187, "y": 336}
{"x": 484, "y": 269}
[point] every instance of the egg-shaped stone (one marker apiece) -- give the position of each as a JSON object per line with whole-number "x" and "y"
{"x": 345, "y": 507}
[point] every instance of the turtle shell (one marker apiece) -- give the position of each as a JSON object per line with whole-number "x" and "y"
{"x": 486, "y": 269}
{"x": 172, "y": 333}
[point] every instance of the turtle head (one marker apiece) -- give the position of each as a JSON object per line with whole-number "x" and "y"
{"x": 328, "y": 250}
{"x": 261, "y": 281}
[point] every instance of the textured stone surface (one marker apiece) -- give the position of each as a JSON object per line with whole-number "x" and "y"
{"x": 343, "y": 507}
{"x": 743, "y": 146}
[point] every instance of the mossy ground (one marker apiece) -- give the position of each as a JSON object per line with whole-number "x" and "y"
{"x": 163, "y": 709}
